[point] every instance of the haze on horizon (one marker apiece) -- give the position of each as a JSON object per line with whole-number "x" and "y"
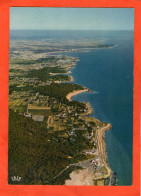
{"x": 41, "y": 18}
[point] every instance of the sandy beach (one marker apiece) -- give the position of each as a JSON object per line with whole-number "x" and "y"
{"x": 80, "y": 177}
{"x": 100, "y": 134}
{"x": 85, "y": 176}
{"x": 89, "y": 109}
{"x": 71, "y": 79}
{"x": 70, "y": 95}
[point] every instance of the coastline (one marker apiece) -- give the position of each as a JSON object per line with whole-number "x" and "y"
{"x": 71, "y": 94}
{"x": 86, "y": 177}
{"x": 71, "y": 79}
{"x": 94, "y": 178}
{"x": 81, "y": 50}
{"x": 100, "y": 135}
{"x": 93, "y": 63}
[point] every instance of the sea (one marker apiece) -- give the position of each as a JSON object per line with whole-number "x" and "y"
{"x": 108, "y": 72}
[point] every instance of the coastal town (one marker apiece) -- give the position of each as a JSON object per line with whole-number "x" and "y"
{"x": 69, "y": 146}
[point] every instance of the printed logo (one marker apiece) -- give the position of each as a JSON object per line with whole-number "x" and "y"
{"x": 16, "y": 178}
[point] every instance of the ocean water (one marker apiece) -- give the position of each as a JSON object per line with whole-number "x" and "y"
{"x": 109, "y": 74}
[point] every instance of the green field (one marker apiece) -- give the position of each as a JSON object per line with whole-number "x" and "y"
{"x": 40, "y": 112}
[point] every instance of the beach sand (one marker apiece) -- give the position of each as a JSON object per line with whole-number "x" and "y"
{"x": 89, "y": 109}
{"x": 80, "y": 177}
{"x": 70, "y": 95}
{"x": 71, "y": 79}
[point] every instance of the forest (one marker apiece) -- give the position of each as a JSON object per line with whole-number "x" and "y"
{"x": 58, "y": 90}
{"x": 36, "y": 155}
{"x": 44, "y": 74}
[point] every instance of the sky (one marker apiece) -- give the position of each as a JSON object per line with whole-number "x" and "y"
{"x": 30, "y": 18}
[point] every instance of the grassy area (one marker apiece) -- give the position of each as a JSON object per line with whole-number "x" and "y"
{"x": 44, "y": 123}
{"x": 19, "y": 109}
{"x": 40, "y": 112}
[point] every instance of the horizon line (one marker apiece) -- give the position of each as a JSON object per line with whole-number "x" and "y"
{"x": 71, "y": 29}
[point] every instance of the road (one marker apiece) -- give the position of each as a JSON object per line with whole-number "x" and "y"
{"x": 102, "y": 154}
{"x": 102, "y": 150}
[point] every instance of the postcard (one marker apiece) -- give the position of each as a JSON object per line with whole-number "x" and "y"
{"x": 72, "y": 92}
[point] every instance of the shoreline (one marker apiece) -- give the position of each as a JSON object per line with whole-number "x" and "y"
{"x": 86, "y": 177}
{"x": 71, "y": 94}
{"x": 100, "y": 135}
{"x": 71, "y": 79}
